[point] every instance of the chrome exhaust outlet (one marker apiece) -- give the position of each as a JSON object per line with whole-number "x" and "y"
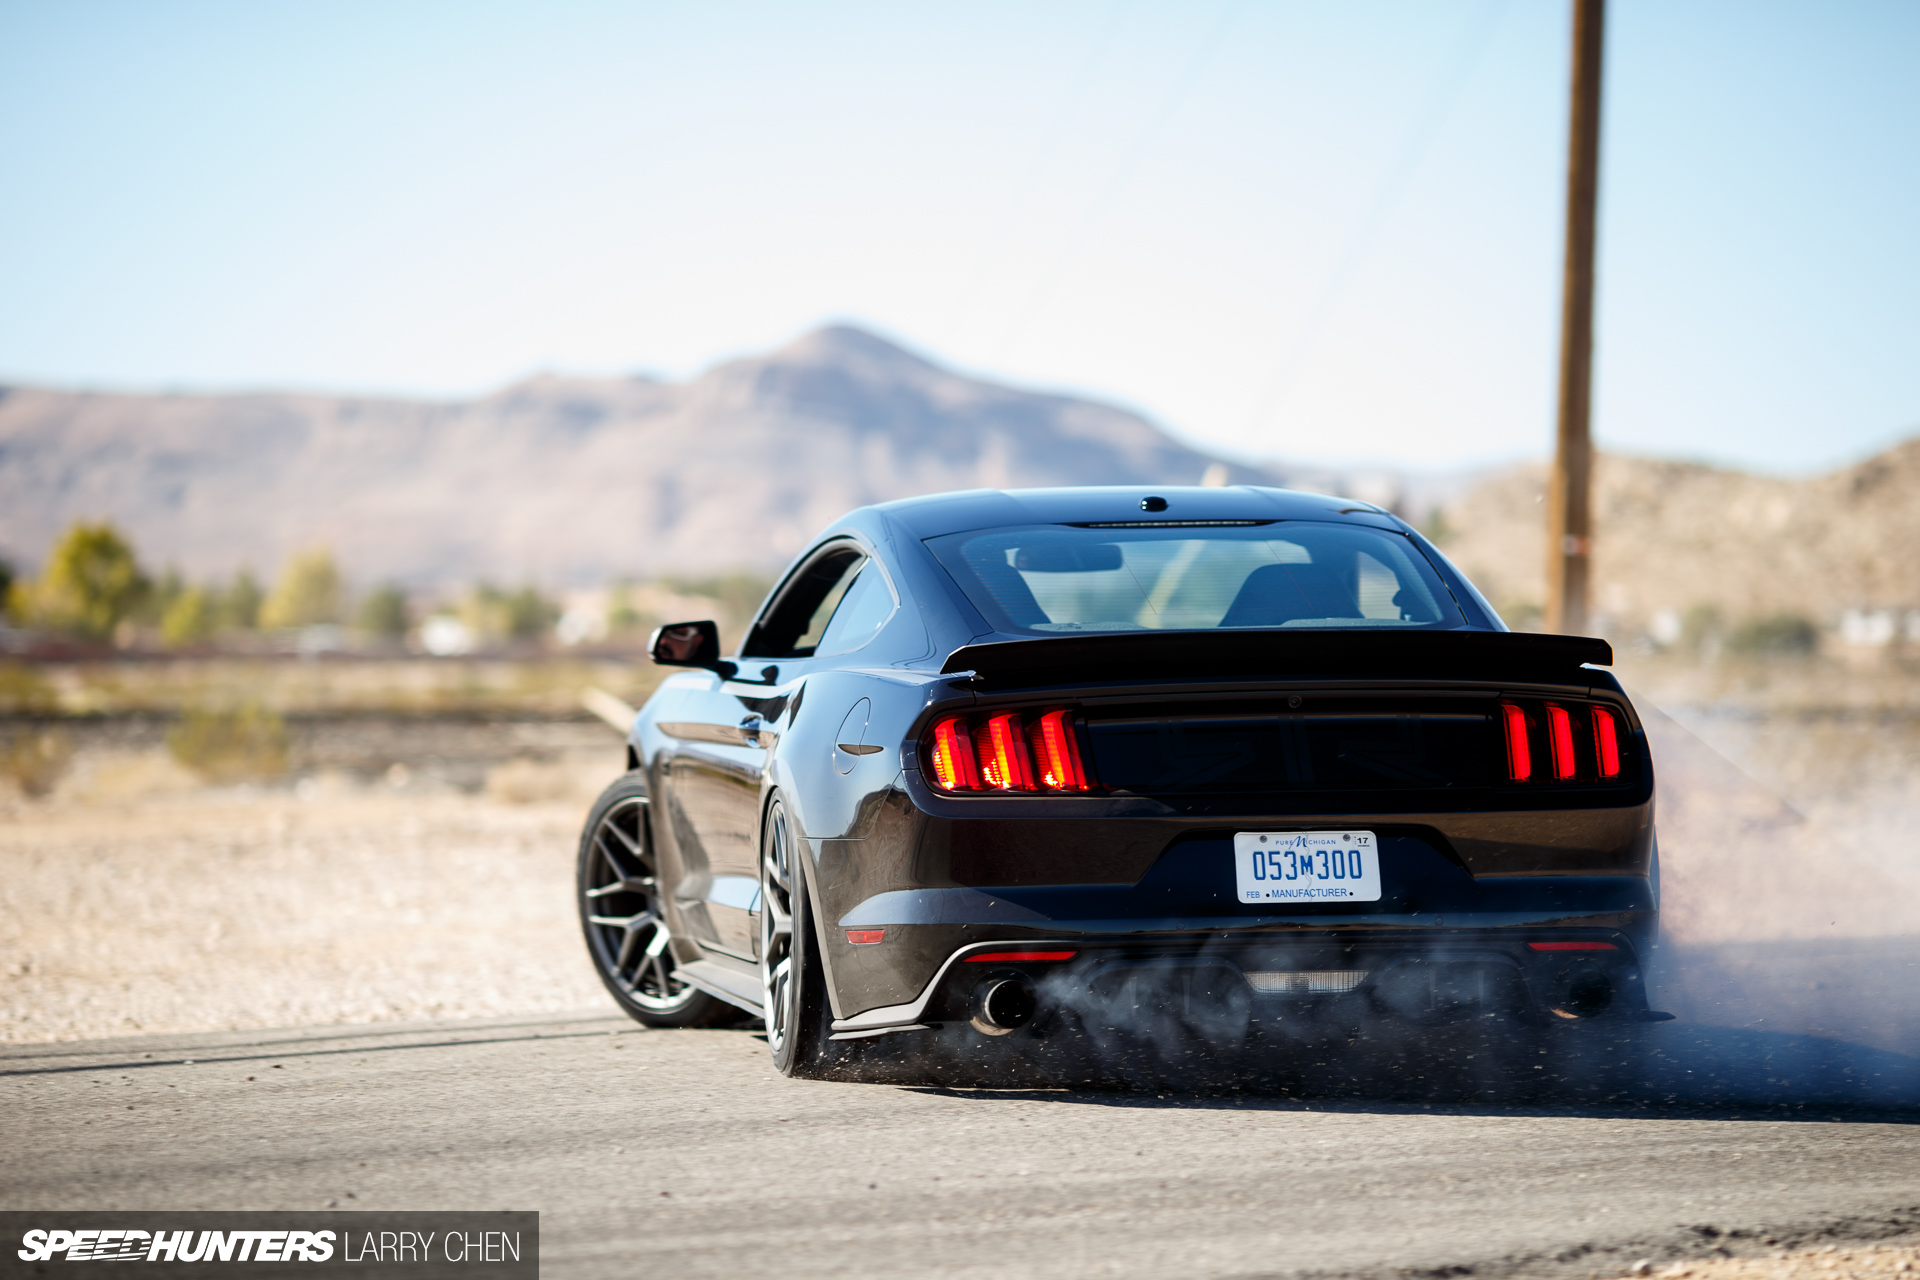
{"x": 1001, "y": 1005}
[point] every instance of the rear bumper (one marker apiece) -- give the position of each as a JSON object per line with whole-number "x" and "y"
{"x": 1413, "y": 974}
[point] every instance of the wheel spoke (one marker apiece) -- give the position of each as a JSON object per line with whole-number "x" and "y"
{"x": 633, "y": 846}
{"x": 625, "y": 884}
{"x": 619, "y": 865}
{"x": 623, "y": 922}
{"x": 627, "y": 944}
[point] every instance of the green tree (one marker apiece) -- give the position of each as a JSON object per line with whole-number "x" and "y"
{"x": 240, "y": 603}
{"x": 306, "y": 593}
{"x": 384, "y": 613}
{"x": 510, "y": 615}
{"x": 190, "y": 618}
{"x": 160, "y": 596}
{"x": 530, "y": 615}
{"x": 91, "y": 584}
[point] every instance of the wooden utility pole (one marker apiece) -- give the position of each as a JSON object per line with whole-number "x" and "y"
{"x": 1570, "y": 491}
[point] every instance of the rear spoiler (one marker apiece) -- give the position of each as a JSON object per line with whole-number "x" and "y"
{"x": 1281, "y": 654}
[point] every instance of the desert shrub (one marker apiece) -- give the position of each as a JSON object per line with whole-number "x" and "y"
{"x": 25, "y": 692}
{"x": 1783, "y": 635}
{"x": 241, "y": 745}
{"x": 35, "y": 761}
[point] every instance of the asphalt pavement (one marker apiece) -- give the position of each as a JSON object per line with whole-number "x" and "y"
{"x": 682, "y": 1154}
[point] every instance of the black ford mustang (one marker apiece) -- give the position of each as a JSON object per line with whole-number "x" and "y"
{"x": 991, "y": 763}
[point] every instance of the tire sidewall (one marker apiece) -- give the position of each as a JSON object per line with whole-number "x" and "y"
{"x": 699, "y": 1007}
{"x": 806, "y": 1049}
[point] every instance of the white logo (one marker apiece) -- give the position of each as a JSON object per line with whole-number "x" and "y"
{"x": 178, "y": 1246}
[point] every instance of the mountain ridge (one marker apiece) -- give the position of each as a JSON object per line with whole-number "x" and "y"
{"x": 554, "y": 478}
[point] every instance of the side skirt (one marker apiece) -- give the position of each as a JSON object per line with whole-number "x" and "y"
{"x": 734, "y": 987}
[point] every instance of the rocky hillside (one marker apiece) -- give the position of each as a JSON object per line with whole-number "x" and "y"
{"x": 560, "y": 480}
{"x": 1682, "y": 539}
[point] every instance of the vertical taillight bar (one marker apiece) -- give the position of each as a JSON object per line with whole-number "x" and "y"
{"x": 1056, "y": 752}
{"x": 954, "y": 768}
{"x": 1519, "y": 754}
{"x": 1002, "y": 751}
{"x": 1560, "y": 739}
{"x": 1606, "y": 742}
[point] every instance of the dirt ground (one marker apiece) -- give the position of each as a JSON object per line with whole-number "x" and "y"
{"x": 192, "y": 909}
{"x": 1897, "y": 1257}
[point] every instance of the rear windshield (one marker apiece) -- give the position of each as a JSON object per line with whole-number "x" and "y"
{"x": 1055, "y": 578}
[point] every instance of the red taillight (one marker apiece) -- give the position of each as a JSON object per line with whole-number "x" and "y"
{"x": 953, "y": 764}
{"x": 1560, "y": 736}
{"x": 1606, "y": 742}
{"x": 1019, "y": 957}
{"x": 866, "y": 937}
{"x": 1056, "y": 752}
{"x": 1002, "y": 751}
{"x": 1572, "y": 946}
{"x": 1005, "y": 751}
{"x": 1519, "y": 755}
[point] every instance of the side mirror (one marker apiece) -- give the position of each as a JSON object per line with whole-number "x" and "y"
{"x": 689, "y": 644}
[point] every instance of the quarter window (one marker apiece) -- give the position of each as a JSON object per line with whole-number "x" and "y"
{"x": 793, "y": 624}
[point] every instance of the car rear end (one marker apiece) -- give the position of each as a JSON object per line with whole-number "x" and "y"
{"x": 1423, "y": 848}
{"x": 1242, "y": 814}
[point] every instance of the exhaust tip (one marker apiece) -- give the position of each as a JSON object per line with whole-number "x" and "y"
{"x": 1004, "y": 1004}
{"x": 1586, "y": 995}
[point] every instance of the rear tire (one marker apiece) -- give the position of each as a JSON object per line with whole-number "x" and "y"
{"x": 621, "y": 913}
{"x": 799, "y": 1017}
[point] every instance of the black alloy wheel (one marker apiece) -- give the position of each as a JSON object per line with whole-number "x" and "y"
{"x": 620, "y": 912}
{"x": 793, "y": 984}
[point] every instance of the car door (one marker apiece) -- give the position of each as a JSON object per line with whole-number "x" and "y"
{"x": 721, "y": 736}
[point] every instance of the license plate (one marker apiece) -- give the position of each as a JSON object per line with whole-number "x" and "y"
{"x": 1306, "y": 866}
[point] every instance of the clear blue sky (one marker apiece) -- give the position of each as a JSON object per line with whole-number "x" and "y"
{"x": 1312, "y": 230}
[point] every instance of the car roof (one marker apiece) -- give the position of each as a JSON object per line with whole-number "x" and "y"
{"x": 943, "y": 513}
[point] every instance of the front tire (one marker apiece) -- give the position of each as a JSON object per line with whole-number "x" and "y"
{"x": 621, "y": 901}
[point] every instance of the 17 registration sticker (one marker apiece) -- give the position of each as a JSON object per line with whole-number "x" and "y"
{"x": 1306, "y": 866}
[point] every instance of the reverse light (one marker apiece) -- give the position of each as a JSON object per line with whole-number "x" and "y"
{"x": 1606, "y": 742}
{"x": 1519, "y": 755}
{"x": 866, "y": 937}
{"x": 1572, "y": 946}
{"x": 1560, "y": 737}
{"x": 1020, "y": 957}
{"x": 1007, "y": 751}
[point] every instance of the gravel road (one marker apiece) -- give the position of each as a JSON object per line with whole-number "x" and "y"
{"x": 680, "y": 1153}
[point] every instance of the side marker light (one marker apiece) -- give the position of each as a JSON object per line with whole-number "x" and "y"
{"x": 1019, "y": 957}
{"x": 866, "y": 937}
